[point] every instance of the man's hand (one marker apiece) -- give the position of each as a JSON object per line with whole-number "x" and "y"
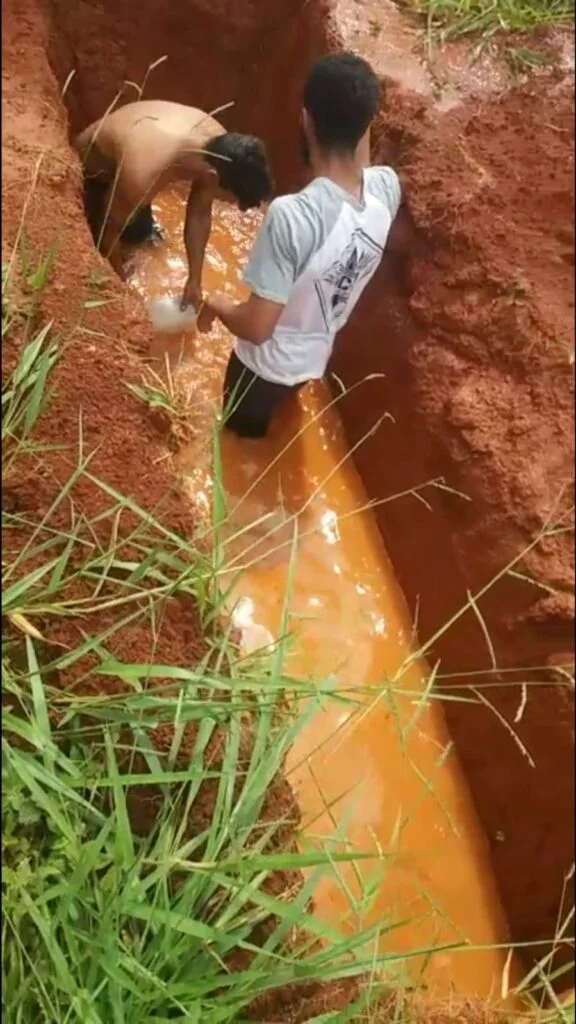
{"x": 210, "y": 309}
{"x": 205, "y": 318}
{"x": 196, "y": 233}
{"x": 191, "y": 296}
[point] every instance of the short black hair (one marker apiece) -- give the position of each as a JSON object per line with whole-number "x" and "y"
{"x": 242, "y": 165}
{"x": 342, "y": 96}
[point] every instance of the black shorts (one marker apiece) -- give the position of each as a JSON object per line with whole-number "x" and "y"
{"x": 249, "y": 401}
{"x": 140, "y": 228}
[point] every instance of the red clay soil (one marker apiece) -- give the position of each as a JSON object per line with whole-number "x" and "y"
{"x": 97, "y": 359}
{"x": 474, "y": 334}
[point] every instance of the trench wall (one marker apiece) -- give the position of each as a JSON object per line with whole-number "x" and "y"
{"x": 473, "y": 336}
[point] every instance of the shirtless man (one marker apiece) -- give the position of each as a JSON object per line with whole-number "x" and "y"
{"x": 134, "y": 152}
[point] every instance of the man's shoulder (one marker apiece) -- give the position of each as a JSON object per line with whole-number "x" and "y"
{"x": 308, "y": 206}
{"x": 291, "y": 202}
{"x": 282, "y": 205}
{"x": 293, "y": 213}
{"x": 383, "y": 183}
{"x": 294, "y": 227}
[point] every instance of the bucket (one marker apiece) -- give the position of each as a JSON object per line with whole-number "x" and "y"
{"x": 166, "y": 315}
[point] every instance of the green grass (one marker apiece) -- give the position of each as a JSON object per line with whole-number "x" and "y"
{"x": 454, "y": 18}
{"x": 168, "y": 397}
{"x": 109, "y": 917}
{"x": 102, "y": 923}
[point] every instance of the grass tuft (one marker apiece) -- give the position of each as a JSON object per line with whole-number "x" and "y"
{"x": 124, "y": 898}
{"x": 454, "y": 18}
{"x": 174, "y": 402}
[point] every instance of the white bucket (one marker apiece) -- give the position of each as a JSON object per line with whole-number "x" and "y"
{"x": 166, "y": 315}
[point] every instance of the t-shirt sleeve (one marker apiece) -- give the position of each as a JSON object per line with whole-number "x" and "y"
{"x": 272, "y": 264}
{"x": 384, "y": 184}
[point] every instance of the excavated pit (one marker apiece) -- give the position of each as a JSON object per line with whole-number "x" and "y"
{"x": 474, "y": 336}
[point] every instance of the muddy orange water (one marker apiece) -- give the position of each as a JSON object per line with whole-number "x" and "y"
{"x": 382, "y": 770}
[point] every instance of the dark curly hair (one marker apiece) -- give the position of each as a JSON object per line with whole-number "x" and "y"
{"x": 242, "y": 165}
{"x": 342, "y": 96}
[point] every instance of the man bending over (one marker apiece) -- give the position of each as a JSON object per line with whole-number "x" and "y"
{"x": 136, "y": 151}
{"x": 315, "y": 252}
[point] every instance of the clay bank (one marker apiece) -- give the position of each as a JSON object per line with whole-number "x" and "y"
{"x": 458, "y": 412}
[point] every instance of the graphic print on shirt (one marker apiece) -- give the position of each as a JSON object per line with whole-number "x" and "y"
{"x": 337, "y": 283}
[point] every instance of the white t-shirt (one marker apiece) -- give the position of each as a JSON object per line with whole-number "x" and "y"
{"x": 315, "y": 253}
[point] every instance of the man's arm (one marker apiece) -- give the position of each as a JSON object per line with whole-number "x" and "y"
{"x": 197, "y": 226}
{"x": 270, "y": 275}
{"x": 253, "y": 320}
{"x": 400, "y": 241}
{"x": 385, "y": 184}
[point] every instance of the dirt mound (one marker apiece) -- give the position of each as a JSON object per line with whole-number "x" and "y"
{"x": 98, "y": 323}
{"x": 97, "y": 320}
{"x": 475, "y": 336}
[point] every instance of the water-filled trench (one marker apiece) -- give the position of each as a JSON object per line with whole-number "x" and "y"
{"x": 381, "y": 772}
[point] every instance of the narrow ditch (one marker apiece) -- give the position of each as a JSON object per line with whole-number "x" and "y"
{"x": 341, "y": 585}
{"x": 435, "y": 329}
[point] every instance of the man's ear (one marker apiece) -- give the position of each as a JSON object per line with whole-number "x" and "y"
{"x": 308, "y": 127}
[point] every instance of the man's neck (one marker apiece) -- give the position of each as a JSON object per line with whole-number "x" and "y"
{"x": 343, "y": 171}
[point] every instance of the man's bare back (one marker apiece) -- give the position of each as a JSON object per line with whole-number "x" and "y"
{"x": 138, "y": 150}
{"x": 148, "y": 145}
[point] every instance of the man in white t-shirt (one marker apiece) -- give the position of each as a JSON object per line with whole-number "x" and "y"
{"x": 315, "y": 252}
